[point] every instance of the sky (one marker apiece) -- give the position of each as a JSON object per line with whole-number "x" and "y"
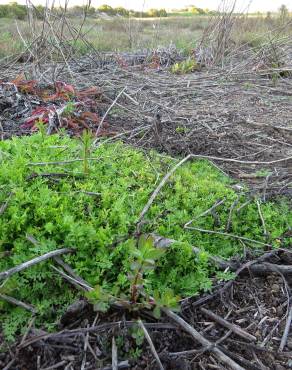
{"x": 256, "y": 5}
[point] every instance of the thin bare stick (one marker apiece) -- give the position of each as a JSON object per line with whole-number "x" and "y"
{"x": 228, "y": 235}
{"x": 205, "y": 342}
{"x": 5, "y": 204}
{"x": 8, "y": 366}
{"x": 78, "y": 284}
{"x": 107, "y": 112}
{"x": 34, "y": 261}
{"x": 257, "y": 267}
{"x": 56, "y": 366}
{"x": 121, "y": 365}
{"x": 114, "y": 355}
{"x": 149, "y": 340}
{"x": 217, "y": 204}
{"x": 71, "y": 272}
{"x": 262, "y": 218}
{"x": 61, "y": 162}
{"x": 234, "y": 328}
{"x": 161, "y": 242}
{"x": 239, "y": 161}
{"x": 18, "y": 303}
{"x": 286, "y": 330}
{"x": 229, "y": 221}
{"x": 160, "y": 186}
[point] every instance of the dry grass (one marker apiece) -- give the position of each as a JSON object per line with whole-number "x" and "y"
{"x": 117, "y": 34}
{"x": 120, "y": 34}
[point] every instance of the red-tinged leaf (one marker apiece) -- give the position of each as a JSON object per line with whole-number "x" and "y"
{"x": 106, "y": 133}
{"x": 155, "y": 64}
{"x": 72, "y": 124}
{"x": 39, "y": 114}
{"x": 62, "y": 87}
{"x": 90, "y": 92}
{"x": 83, "y": 124}
{"x": 51, "y": 97}
{"x": 121, "y": 62}
{"x": 90, "y": 116}
{"x": 19, "y": 78}
{"x": 63, "y": 92}
{"x": 26, "y": 86}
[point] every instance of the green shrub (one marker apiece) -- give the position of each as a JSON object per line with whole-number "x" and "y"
{"x": 60, "y": 212}
{"x": 187, "y": 66}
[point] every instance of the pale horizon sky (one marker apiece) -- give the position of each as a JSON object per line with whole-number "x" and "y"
{"x": 255, "y": 5}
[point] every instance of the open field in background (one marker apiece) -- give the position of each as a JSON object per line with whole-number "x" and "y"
{"x": 117, "y": 34}
{"x": 125, "y": 34}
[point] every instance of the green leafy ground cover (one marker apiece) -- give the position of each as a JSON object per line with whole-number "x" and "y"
{"x": 59, "y": 213}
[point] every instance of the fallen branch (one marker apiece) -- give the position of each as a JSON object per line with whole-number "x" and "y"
{"x": 69, "y": 161}
{"x": 72, "y": 273}
{"x": 286, "y": 330}
{"x": 54, "y": 175}
{"x": 217, "y": 204}
{"x": 120, "y": 365}
{"x": 234, "y": 328}
{"x": 228, "y": 235}
{"x": 190, "y": 156}
{"x": 107, "y": 112}
{"x": 57, "y": 366}
{"x": 5, "y": 204}
{"x": 210, "y": 157}
{"x": 34, "y": 261}
{"x": 114, "y": 355}
{"x": 76, "y": 282}
{"x": 18, "y": 303}
{"x": 205, "y": 342}
{"x": 93, "y": 329}
{"x": 161, "y": 242}
{"x": 160, "y": 186}
{"x": 262, "y": 218}
{"x": 257, "y": 266}
{"x": 149, "y": 340}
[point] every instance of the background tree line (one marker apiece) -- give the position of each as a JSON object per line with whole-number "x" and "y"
{"x": 15, "y": 10}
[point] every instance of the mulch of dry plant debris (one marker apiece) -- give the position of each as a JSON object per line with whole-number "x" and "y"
{"x": 239, "y": 120}
{"x": 248, "y": 320}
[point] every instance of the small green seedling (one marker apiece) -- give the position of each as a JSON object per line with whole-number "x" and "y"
{"x": 144, "y": 257}
{"x": 42, "y": 128}
{"x": 69, "y": 109}
{"x": 166, "y": 299}
{"x": 86, "y": 140}
{"x": 187, "y": 66}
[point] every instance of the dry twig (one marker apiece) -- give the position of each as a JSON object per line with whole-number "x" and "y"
{"x": 205, "y": 342}
{"x": 149, "y": 340}
{"x": 234, "y": 328}
{"x": 34, "y": 261}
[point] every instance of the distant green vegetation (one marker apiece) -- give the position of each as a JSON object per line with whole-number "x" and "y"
{"x": 94, "y": 209}
{"x": 15, "y": 10}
